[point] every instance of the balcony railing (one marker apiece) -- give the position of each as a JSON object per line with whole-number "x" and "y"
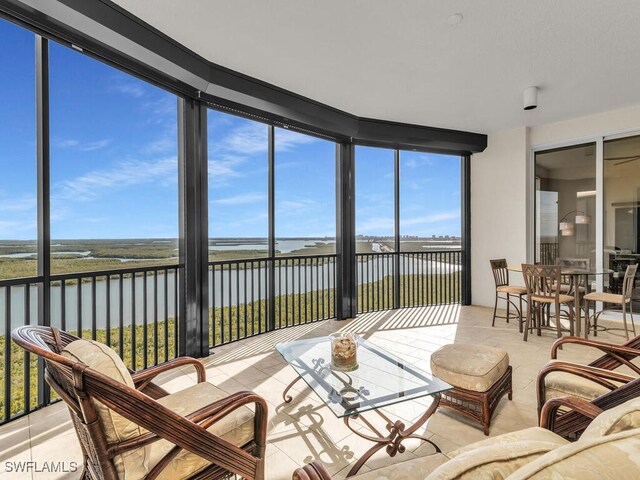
{"x": 249, "y": 297}
{"x": 133, "y": 310}
{"x": 425, "y": 278}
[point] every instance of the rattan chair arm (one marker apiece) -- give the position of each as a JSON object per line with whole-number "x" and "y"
{"x": 596, "y": 375}
{"x": 143, "y": 377}
{"x": 312, "y": 471}
{"x": 551, "y": 406}
{"x": 176, "y": 429}
{"x": 603, "y": 346}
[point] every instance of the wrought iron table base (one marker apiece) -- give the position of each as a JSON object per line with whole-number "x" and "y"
{"x": 398, "y": 431}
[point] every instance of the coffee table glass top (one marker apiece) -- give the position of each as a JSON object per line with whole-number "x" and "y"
{"x": 381, "y": 378}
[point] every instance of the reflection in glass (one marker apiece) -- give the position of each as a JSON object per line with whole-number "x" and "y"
{"x": 566, "y": 204}
{"x": 621, "y": 209}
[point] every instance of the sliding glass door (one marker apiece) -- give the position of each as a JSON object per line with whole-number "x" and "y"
{"x": 565, "y": 204}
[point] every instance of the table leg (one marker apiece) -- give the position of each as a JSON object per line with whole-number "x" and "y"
{"x": 577, "y": 305}
{"x": 398, "y": 432}
{"x": 289, "y": 398}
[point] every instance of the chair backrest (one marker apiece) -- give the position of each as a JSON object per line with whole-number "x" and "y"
{"x": 540, "y": 280}
{"x": 629, "y": 280}
{"x": 574, "y": 262}
{"x": 500, "y": 271}
{"x": 62, "y": 374}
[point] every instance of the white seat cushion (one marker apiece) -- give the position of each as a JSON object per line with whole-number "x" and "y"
{"x": 514, "y": 289}
{"x": 560, "y": 384}
{"x": 130, "y": 465}
{"x": 604, "y": 297}
{"x": 236, "y": 428}
{"x": 617, "y": 419}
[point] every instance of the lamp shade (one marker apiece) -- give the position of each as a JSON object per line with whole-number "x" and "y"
{"x": 566, "y": 226}
{"x": 568, "y": 232}
{"x": 583, "y": 219}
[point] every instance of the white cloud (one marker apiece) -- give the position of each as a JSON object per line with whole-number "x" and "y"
{"x": 23, "y": 204}
{"x": 288, "y": 139}
{"x": 433, "y": 218}
{"x": 375, "y": 225}
{"x": 82, "y": 146}
{"x": 132, "y": 89}
{"x": 15, "y": 228}
{"x": 124, "y": 174}
{"x": 288, "y": 205}
{"x": 243, "y": 199}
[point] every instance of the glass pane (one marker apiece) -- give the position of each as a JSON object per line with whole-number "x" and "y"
{"x": 566, "y": 205}
{"x": 381, "y": 378}
{"x": 621, "y": 210}
{"x": 18, "y": 214}
{"x": 238, "y": 187}
{"x": 114, "y": 174}
{"x": 430, "y": 208}
{"x": 305, "y": 194}
{"x": 374, "y": 200}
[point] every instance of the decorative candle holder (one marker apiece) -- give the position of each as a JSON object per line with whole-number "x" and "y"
{"x": 344, "y": 352}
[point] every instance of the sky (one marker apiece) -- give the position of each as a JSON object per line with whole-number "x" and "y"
{"x": 114, "y": 170}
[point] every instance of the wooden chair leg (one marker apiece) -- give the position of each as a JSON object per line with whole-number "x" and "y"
{"x": 633, "y": 325}
{"x": 527, "y": 324}
{"x": 558, "y": 326}
{"x": 624, "y": 319}
{"x": 495, "y": 309}
{"x": 508, "y": 307}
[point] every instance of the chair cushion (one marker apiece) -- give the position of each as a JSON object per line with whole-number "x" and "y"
{"x": 472, "y": 367}
{"x": 612, "y": 457}
{"x": 236, "y": 428}
{"x": 618, "y": 419}
{"x": 414, "y": 469}
{"x": 129, "y": 465}
{"x": 533, "y": 434}
{"x": 493, "y": 461}
{"x": 552, "y": 299}
{"x": 516, "y": 290}
{"x": 604, "y": 297}
{"x": 560, "y": 384}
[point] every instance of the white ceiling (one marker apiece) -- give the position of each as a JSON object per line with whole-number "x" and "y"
{"x": 400, "y": 60}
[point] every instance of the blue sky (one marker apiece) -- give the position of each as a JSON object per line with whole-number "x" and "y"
{"x": 114, "y": 163}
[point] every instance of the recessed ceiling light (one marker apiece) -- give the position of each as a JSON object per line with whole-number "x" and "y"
{"x": 455, "y": 19}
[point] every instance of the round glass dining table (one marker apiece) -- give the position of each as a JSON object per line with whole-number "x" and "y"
{"x": 576, "y": 274}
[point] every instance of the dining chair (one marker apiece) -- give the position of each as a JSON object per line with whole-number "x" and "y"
{"x": 504, "y": 291}
{"x": 616, "y": 301}
{"x": 540, "y": 282}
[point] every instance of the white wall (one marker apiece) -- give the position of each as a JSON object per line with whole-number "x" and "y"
{"x": 498, "y": 208}
{"x": 499, "y": 189}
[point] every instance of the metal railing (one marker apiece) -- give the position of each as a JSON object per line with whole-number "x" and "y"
{"x": 424, "y": 278}
{"x": 548, "y": 253}
{"x": 252, "y": 296}
{"x": 133, "y": 310}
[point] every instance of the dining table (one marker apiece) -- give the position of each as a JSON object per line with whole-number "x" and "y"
{"x": 575, "y": 274}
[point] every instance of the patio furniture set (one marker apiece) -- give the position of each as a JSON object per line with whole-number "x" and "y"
{"x": 129, "y": 427}
{"x": 565, "y": 287}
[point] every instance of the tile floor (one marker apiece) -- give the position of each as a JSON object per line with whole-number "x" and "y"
{"x": 305, "y": 429}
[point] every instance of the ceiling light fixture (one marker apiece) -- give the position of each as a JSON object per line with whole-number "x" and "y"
{"x": 530, "y": 98}
{"x": 455, "y": 19}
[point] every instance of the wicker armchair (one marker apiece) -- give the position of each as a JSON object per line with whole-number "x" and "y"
{"x": 199, "y": 432}
{"x": 569, "y": 416}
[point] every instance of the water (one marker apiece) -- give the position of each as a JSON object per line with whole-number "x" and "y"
{"x": 238, "y": 287}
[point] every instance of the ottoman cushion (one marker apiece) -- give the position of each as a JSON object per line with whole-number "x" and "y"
{"x": 471, "y": 367}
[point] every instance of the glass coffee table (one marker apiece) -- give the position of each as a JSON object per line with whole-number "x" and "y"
{"x": 380, "y": 380}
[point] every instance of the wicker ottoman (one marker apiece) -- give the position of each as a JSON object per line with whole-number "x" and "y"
{"x": 480, "y": 377}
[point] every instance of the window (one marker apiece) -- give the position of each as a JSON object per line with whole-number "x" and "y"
{"x": 430, "y": 202}
{"x": 18, "y": 183}
{"x": 114, "y": 174}
{"x": 238, "y": 187}
{"x": 375, "y": 206}
{"x": 305, "y": 194}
